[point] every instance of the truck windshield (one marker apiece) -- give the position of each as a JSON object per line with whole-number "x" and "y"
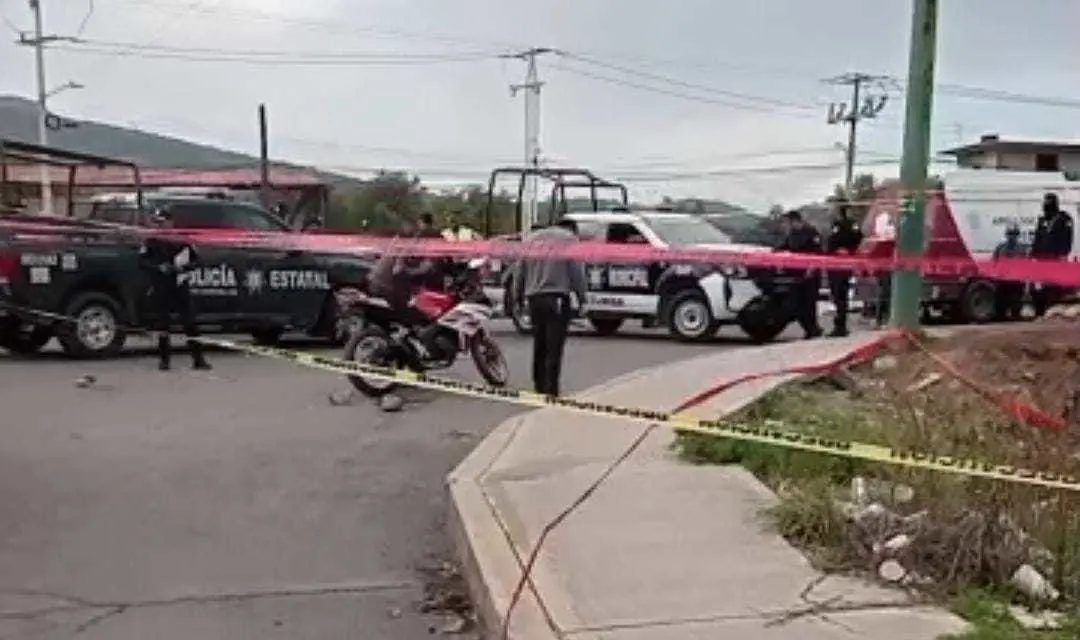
{"x": 209, "y": 214}
{"x": 685, "y": 230}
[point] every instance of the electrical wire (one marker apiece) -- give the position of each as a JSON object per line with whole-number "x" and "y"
{"x": 156, "y": 48}
{"x": 963, "y": 91}
{"x": 688, "y": 85}
{"x": 368, "y": 59}
{"x": 731, "y": 104}
{"x": 86, "y": 18}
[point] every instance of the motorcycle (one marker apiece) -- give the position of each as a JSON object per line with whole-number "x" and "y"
{"x": 441, "y": 325}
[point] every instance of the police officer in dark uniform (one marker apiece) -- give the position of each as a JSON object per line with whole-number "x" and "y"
{"x": 164, "y": 260}
{"x": 844, "y": 239}
{"x": 801, "y": 237}
{"x": 1009, "y": 298}
{"x": 1053, "y": 241}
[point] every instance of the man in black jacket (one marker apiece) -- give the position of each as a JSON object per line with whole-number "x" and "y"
{"x": 1053, "y": 241}
{"x": 167, "y": 262}
{"x": 804, "y": 238}
{"x": 844, "y": 239}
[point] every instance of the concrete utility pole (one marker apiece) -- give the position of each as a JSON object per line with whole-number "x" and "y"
{"x": 531, "y": 87}
{"x": 868, "y": 106}
{"x": 38, "y": 42}
{"x": 906, "y": 303}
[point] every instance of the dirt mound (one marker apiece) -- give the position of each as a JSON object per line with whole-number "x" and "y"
{"x": 1022, "y": 373}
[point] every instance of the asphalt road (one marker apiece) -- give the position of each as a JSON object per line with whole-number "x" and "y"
{"x": 240, "y": 502}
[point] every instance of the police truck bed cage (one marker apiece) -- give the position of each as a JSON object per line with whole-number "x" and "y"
{"x": 561, "y": 178}
{"x": 24, "y": 161}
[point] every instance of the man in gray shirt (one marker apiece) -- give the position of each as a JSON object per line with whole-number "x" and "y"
{"x": 548, "y": 286}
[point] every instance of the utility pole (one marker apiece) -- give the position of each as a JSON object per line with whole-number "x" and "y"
{"x": 861, "y": 106}
{"x": 531, "y": 88}
{"x": 906, "y": 303}
{"x": 264, "y": 159}
{"x": 38, "y": 42}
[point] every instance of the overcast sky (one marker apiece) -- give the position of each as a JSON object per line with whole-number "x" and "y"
{"x": 450, "y": 116}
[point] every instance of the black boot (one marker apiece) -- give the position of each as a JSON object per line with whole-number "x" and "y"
{"x": 839, "y": 331}
{"x": 164, "y": 350}
{"x": 198, "y": 360}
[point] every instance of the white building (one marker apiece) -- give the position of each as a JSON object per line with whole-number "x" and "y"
{"x": 991, "y": 152}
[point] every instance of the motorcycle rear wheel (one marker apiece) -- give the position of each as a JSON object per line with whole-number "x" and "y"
{"x": 762, "y": 320}
{"x": 372, "y": 346}
{"x": 489, "y": 360}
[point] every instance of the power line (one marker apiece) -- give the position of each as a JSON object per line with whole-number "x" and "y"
{"x": 731, "y": 104}
{"x": 283, "y": 59}
{"x": 158, "y": 48}
{"x": 772, "y": 102}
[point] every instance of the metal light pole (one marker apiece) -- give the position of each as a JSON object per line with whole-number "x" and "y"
{"x": 906, "y": 303}
{"x": 38, "y": 42}
{"x": 42, "y": 96}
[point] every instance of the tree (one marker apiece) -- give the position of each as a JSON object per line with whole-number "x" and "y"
{"x": 383, "y": 203}
{"x": 864, "y": 189}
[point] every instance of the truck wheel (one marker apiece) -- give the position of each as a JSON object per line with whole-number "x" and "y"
{"x": 978, "y": 303}
{"x": 95, "y": 330}
{"x": 690, "y": 319}
{"x": 606, "y": 326}
{"x": 267, "y": 336}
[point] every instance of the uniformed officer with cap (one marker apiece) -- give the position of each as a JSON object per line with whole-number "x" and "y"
{"x": 844, "y": 239}
{"x": 804, "y": 238}
{"x": 1009, "y": 298}
{"x": 166, "y": 261}
{"x": 1053, "y": 241}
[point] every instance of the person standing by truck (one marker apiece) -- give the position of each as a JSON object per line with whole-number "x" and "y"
{"x": 804, "y": 238}
{"x": 167, "y": 262}
{"x": 548, "y": 286}
{"x": 1053, "y": 241}
{"x": 1009, "y": 297}
{"x": 844, "y": 239}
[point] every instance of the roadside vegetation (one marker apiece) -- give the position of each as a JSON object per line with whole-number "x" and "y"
{"x": 1006, "y": 556}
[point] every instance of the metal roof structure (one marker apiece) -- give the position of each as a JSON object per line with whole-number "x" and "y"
{"x": 992, "y": 143}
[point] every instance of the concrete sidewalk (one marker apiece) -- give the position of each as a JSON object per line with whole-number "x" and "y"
{"x": 662, "y": 550}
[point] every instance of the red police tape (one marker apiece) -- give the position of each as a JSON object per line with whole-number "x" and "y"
{"x": 44, "y": 233}
{"x": 1054, "y": 272}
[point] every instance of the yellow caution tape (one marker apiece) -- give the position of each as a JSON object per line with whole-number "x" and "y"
{"x": 912, "y": 458}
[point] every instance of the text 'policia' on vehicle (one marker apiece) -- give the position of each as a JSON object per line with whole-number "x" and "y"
{"x": 692, "y": 299}
{"x": 82, "y": 283}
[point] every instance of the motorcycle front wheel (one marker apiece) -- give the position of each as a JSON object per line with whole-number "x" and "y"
{"x": 489, "y": 360}
{"x": 372, "y": 346}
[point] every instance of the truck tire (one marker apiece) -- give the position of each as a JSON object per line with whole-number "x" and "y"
{"x": 689, "y": 317}
{"x": 267, "y": 336}
{"x": 96, "y": 329}
{"x": 978, "y": 302}
{"x": 606, "y": 326}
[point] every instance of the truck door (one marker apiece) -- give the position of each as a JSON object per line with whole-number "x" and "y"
{"x": 296, "y": 286}
{"x": 215, "y": 284}
{"x": 624, "y": 287}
